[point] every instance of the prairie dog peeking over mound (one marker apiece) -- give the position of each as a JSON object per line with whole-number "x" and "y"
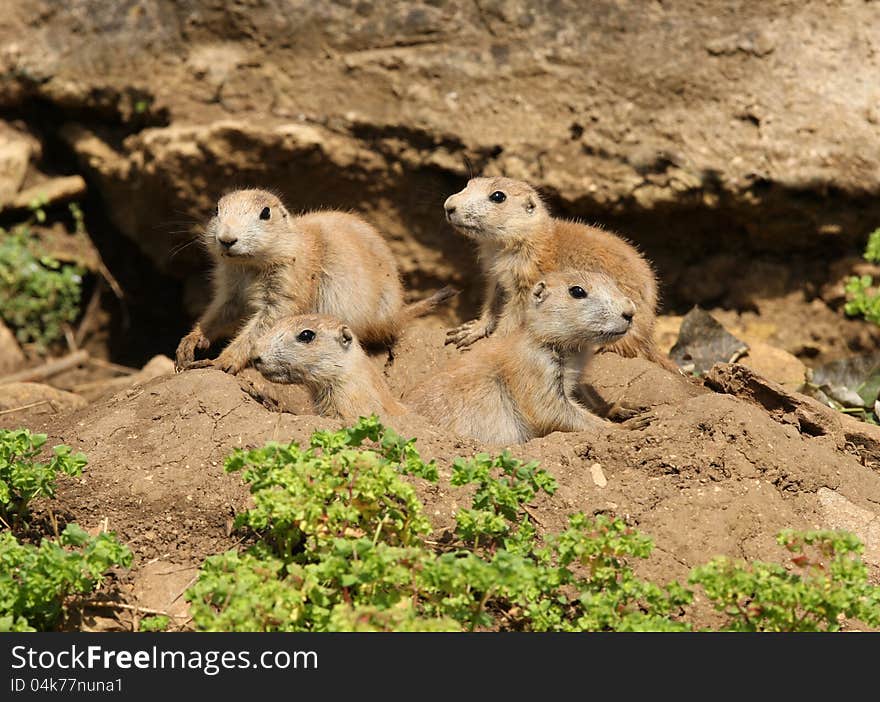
{"x": 518, "y": 387}
{"x": 323, "y": 354}
{"x": 268, "y": 264}
{"x": 519, "y": 243}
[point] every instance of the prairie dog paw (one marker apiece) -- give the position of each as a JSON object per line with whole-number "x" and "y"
{"x": 468, "y": 333}
{"x": 186, "y": 349}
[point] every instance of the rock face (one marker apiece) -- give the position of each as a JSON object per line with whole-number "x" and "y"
{"x": 710, "y": 127}
{"x": 15, "y": 154}
{"x": 11, "y": 355}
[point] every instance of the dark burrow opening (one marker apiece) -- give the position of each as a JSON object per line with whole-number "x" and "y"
{"x": 146, "y": 320}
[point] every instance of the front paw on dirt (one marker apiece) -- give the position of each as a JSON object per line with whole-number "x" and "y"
{"x": 640, "y": 421}
{"x": 193, "y": 365}
{"x": 467, "y": 334}
{"x": 621, "y": 412}
{"x": 186, "y": 350}
{"x": 229, "y": 365}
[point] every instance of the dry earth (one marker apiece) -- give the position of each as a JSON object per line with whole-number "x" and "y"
{"x": 720, "y": 468}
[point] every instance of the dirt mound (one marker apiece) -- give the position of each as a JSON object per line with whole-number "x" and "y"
{"x": 710, "y": 474}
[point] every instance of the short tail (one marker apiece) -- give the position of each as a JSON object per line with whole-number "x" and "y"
{"x": 429, "y": 304}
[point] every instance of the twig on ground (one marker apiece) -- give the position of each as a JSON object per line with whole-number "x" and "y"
{"x": 132, "y": 608}
{"x": 24, "y": 407}
{"x": 70, "y": 338}
{"x": 185, "y": 588}
{"x": 48, "y": 369}
{"x": 88, "y": 320}
{"x": 125, "y": 370}
{"x": 532, "y": 515}
{"x": 54, "y": 523}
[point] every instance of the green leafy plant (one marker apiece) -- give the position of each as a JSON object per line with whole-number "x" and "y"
{"x": 864, "y": 298}
{"x": 23, "y": 477}
{"x": 343, "y": 547}
{"x": 158, "y": 622}
{"x": 503, "y": 485}
{"x": 829, "y": 581}
{"x": 38, "y": 294}
{"x": 35, "y": 581}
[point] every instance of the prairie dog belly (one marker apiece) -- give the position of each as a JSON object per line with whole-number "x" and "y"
{"x": 358, "y": 279}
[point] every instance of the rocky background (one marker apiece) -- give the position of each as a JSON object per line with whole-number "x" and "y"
{"x": 736, "y": 142}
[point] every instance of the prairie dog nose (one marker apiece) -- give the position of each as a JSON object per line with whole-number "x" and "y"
{"x": 449, "y": 206}
{"x": 628, "y": 310}
{"x": 228, "y": 242}
{"x": 257, "y": 361}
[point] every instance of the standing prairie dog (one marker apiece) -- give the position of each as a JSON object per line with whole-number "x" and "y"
{"x": 519, "y": 243}
{"x": 323, "y": 354}
{"x": 518, "y": 387}
{"x": 269, "y": 264}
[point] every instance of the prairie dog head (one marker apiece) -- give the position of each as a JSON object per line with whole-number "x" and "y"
{"x": 496, "y": 209}
{"x": 574, "y": 309}
{"x": 315, "y": 350}
{"x": 249, "y": 227}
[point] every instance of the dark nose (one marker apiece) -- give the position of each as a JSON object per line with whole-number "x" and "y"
{"x": 228, "y": 243}
{"x": 450, "y": 209}
{"x": 628, "y": 316}
{"x": 257, "y": 360}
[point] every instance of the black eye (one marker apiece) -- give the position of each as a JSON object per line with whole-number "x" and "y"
{"x": 266, "y": 213}
{"x": 498, "y": 197}
{"x": 307, "y": 336}
{"x": 577, "y": 292}
{"x": 217, "y": 211}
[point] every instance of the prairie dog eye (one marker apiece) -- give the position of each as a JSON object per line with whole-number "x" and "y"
{"x": 577, "y": 292}
{"x": 498, "y": 197}
{"x": 217, "y": 211}
{"x": 266, "y": 213}
{"x": 306, "y": 336}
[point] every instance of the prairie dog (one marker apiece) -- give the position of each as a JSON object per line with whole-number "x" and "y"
{"x": 519, "y": 242}
{"x": 323, "y": 354}
{"x": 515, "y": 388}
{"x": 269, "y": 264}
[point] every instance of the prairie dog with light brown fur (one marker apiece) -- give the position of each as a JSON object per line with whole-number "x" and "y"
{"x": 269, "y": 264}
{"x": 518, "y": 387}
{"x": 519, "y": 242}
{"x": 323, "y": 354}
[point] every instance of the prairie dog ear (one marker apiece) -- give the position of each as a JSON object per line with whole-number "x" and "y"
{"x": 345, "y": 337}
{"x": 540, "y": 292}
{"x": 530, "y": 204}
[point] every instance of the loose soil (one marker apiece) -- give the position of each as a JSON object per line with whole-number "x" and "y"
{"x": 711, "y": 474}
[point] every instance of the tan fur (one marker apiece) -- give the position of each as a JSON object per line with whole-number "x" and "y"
{"x": 341, "y": 379}
{"x": 520, "y": 242}
{"x": 329, "y": 262}
{"x": 517, "y": 387}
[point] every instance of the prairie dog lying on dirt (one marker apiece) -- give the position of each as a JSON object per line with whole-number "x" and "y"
{"x": 518, "y": 387}
{"x": 323, "y": 354}
{"x": 519, "y": 243}
{"x": 269, "y": 264}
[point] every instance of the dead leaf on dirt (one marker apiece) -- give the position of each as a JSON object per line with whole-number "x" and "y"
{"x": 703, "y": 342}
{"x": 852, "y": 382}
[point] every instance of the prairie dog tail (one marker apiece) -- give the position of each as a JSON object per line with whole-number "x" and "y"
{"x": 428, "y": 305}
